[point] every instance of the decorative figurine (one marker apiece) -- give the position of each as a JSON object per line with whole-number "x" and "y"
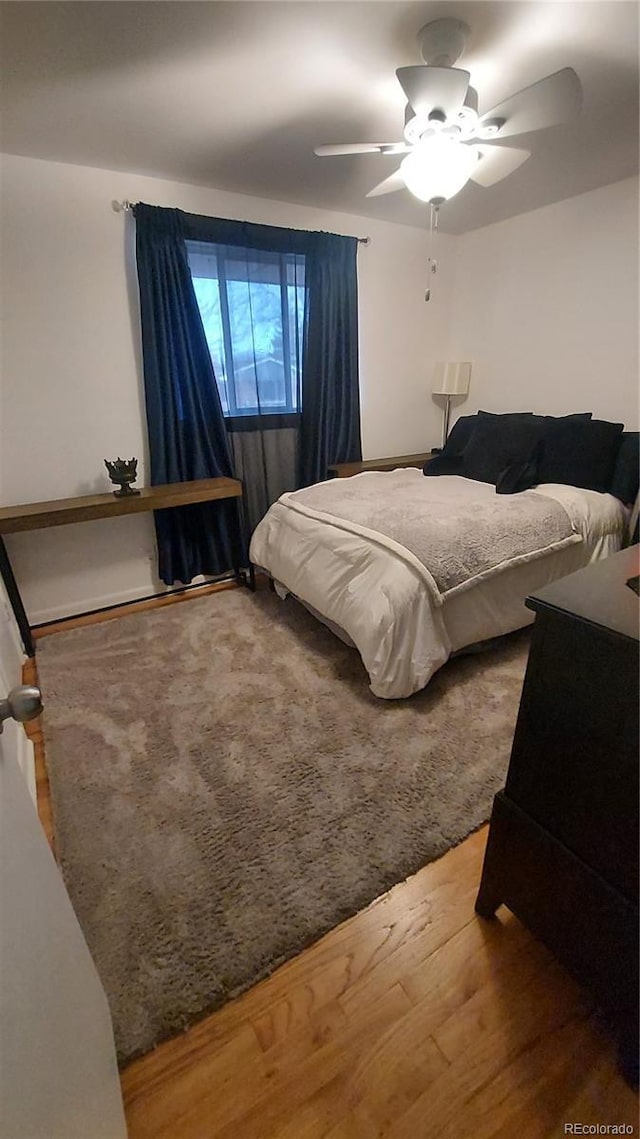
{"x": 123, "y": 473}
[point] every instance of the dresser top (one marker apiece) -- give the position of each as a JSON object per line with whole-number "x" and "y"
{"x": 598, "y": 594}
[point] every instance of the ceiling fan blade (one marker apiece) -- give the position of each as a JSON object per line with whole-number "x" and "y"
{"x": 496, "y": 163}
{"x": 434, "y": 88}
{"x": 552, "y": 100}
{"x": 360, "y": 148}
{"x": 394, "y": 182}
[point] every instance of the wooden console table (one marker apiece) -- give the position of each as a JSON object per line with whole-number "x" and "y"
{"x": 87, "y": 508}
{"x": 345, "y": 470}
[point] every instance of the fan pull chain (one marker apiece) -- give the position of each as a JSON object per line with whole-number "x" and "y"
{"x": 433, "y": 264}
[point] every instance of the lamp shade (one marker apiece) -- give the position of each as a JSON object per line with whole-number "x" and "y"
{"x": 451, "y": 379}
{"x": 437, "y": 168}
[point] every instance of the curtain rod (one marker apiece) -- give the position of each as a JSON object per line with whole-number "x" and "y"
{"x": 125, "y": 206}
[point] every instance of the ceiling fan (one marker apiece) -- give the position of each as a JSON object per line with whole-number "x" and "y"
{"x": 445, "y": 141}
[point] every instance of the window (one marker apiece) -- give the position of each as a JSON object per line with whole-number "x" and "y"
{"x": 252, "y": 305}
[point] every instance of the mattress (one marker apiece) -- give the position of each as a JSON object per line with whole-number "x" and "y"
{"x": 375, "y": 598}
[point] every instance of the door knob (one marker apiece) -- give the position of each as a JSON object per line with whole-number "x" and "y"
{"x": 22, "y": 703}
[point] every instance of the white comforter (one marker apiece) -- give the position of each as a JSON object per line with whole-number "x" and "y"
{"x": 373, "y": 594}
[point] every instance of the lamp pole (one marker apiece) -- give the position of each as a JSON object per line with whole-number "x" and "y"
{"x": 445, "y": 421}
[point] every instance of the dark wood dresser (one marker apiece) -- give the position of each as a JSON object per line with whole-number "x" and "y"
{"x": 562, "y": 852}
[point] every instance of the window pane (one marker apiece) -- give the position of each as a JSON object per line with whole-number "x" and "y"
{"x": 252, "y": 307}
{"x": 295, "y": 304}
{"x": 207, "y": 291}
{"x": 255, "y": 319}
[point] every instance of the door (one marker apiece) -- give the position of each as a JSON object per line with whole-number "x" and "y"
{"x": 58, "y": 1072}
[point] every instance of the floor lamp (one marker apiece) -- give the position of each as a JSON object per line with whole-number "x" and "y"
{"x": 450, "y": 380}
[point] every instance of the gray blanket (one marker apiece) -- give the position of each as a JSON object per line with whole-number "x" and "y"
{"x": 453, "y": 530}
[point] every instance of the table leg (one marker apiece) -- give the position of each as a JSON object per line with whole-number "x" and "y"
{"x": 13, "y": 594}
{"x": 248, "y": 579}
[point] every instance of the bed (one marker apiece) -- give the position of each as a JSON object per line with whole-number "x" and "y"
{"x": 410, "y": 592}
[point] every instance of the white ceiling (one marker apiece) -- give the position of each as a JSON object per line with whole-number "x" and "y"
{"x": 235, "y": 95}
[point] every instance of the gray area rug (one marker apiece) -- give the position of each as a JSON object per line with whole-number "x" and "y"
{"x": 226, "y": 789}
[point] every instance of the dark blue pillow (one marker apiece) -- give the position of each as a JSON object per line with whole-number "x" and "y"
{"x": 519, "y": 476}
{"x": 444, "y": 465}
{"x": 499, "y": 414}
{"x": 460, "y": 435}
{"x": 505, "y": 449}
{"x": 499, "y": 442}
{"x": 532, "y": 414}
{"x": 520, "y": 435}
{"x": 580, "y": 452}
{"x": 449, "y": 461}
{"x": 626, "y": 472}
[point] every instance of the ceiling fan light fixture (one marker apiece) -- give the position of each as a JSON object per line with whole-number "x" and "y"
{"x": 438, "y": 168}
{"x": 492, "y": 126}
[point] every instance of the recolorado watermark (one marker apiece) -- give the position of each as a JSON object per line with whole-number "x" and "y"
{"x": 599, "y": 1129}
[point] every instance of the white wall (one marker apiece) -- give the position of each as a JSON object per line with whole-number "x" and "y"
{"x": 546, "y": 307}
{"x": 71, "y": 380}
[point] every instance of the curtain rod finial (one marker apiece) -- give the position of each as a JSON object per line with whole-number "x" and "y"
{"x": 120, "y": 207}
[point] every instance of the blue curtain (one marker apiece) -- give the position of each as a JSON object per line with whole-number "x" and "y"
{"x": 330, "y": 423}
{"x": 187, "y": 435}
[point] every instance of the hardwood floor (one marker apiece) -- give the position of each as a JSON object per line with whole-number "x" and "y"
{"x": 413, "y": 1020}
